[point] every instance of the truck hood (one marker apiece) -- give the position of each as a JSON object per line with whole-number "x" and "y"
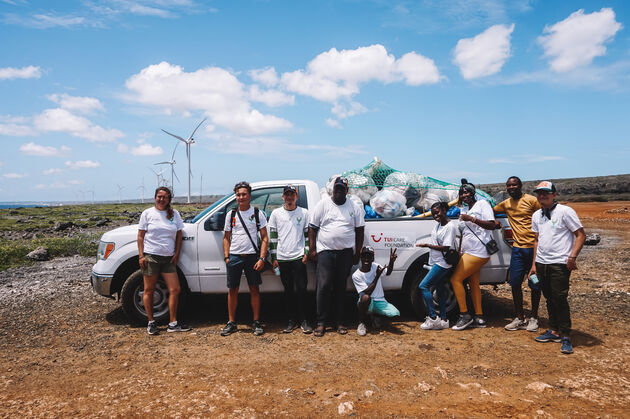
{"x": 121, "y": 235}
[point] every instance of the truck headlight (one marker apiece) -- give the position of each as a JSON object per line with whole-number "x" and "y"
{"x": 104, "y": 250}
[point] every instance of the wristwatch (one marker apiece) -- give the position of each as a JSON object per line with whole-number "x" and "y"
{"x": 261, "y": 258}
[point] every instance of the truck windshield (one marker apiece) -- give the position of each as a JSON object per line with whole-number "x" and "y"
{"x": 210, "y": 208}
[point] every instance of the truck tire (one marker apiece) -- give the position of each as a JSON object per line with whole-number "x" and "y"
{"x": 133, "y": 306}
{"x": 417, "y": 301}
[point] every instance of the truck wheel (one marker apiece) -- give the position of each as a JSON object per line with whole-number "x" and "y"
{"x": 132, "y": 304}
{"x": 417, "y": 301}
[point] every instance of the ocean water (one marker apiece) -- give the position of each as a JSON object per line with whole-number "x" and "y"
{"x": 21, "y": 205}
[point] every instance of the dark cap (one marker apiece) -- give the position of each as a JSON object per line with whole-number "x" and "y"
{"x": 545, "y": 186}
{"x": 367, "y": 249}
{"x": 289, "y": 189}
{"x": 340, "y": 181}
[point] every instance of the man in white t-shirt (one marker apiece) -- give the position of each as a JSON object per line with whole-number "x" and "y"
{"x": 288, "y": 232}
{"x": 371, "y": 295}
{"x": 336, "y": 237}
{"x": 242, "y": 253}
{"x": 559, "y": 237}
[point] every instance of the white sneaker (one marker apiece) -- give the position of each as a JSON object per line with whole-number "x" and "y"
{"x": 431, "y": 324}
{"x": 517, "y": 324}
{"x": 361, "y": 330}
{"x": 532, "y": 324}
{"x": 444, "y": 324}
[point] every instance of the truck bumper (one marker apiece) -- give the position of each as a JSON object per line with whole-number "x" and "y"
{"x": 102, "y": 283}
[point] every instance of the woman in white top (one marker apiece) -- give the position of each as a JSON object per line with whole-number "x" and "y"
{"x": 159, "y": 244}
{"x": 475, "y": 224}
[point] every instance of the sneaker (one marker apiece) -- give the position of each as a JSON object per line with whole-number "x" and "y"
{"x": 431, "y": 324}
{"x": 257, "y": 328}
{"x": 463, "y": 322}
{"x": 566, "y": 348}
{"x": 548, "y": 337}
{"x": 444, "y": 324}
{"x": 479, "y": 322}
{"x": 532, "y": 324}
{"x": 178, "y": 327}
{"x": 152, "y": 328}
{"x": 229, "y": 328}
{"x": 290, "y": 327}
{"x": 517, "y": 324}
{"x": 306, "y": 328}
{"x": 361, "y": 330}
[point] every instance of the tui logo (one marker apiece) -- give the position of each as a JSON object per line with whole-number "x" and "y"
{"x": 379, "y": 239}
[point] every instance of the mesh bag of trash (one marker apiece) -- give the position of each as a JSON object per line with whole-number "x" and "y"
{"x": 407, "y": 184}
{"x": 362, "y": 186}
{"x": 376, "y": 170}
{"x": 432, "y": 196}
{"x": 388, "y": 204}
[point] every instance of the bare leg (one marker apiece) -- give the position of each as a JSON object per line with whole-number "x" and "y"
{"x": 147, "y": 295}
{"x": 172, "y": 282}
{"x": 232, "y": 303}
{"x": 254, "y": 296}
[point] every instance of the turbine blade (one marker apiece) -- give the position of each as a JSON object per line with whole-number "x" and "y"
{"x": 175, "y": 173}
{"x": 163, "y": 162}
{"x": 173, "y": 135}
{"x": 193, "y": 133}
{"x": 174, "y": 150}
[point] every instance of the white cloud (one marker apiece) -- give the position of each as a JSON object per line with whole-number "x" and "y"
{"x": 143, "y": 149}
{"x": 82, "y": 164}
{"x": 15, "y": 175}
{"x": 266, "y": 76}
{"x": 230, "y": 144}
{"x": 578, "y": 39}
{"x": 485, "y": 54}
{"x": 52, "y": 171}
{"x": 335, "y": 75}
{"x": 215, "y": 91}
{"x": 333, "y": 123}
{"x": 76, "y": 182}
{"x": 45, "y": 21}
{"x": 343, "y": 111}
{"x": 270, "y": 97}
{"x": 33, "y": 149}
{"x": 62, "y": 120}
{"x": 15, "y": 126}
{"x": 77, "y": 103}
{"x": 30, "y": 72}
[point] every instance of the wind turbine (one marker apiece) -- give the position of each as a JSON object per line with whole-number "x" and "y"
{"x": 172, "y": 163}
{"x": 188, "y": 143}
{"x": 141, "y": 187}
{"x": 158, "y": 176}
{"x": 120, "y": 188}
{"x": 91, "y": 191}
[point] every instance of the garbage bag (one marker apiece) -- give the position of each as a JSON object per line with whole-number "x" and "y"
{"x": 434, "y": 195}
{"x": 407, "y": 184}
{"x": 362, "y": 186}
{"x": 388, "y": 203}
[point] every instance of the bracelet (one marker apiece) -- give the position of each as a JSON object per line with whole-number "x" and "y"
{"x": 261, "y": 258}
{"x": 572, "y": 257}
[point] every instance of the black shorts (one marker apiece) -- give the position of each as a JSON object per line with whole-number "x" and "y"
{"x": 235, "y": 267}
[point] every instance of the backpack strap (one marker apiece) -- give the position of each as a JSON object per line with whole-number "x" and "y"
{"x": 256, "y": 212}
{"x": 232, "y": 219}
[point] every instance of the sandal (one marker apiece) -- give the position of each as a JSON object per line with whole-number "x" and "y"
{"x": 319, "y": 331}
{"x": 342, "y": 330}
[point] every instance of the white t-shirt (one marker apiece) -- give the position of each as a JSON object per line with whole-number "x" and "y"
{"x": 442, "y": 236}
{"x": 240, "y": 244}
{"x": 471, "y": 244}
{"x": 555, "y": 236}
{"x": 362, "y": 280}
{"x": 290, "y": 227}
{"x": 336, "y": 224}
{"x": 159, "y": 238}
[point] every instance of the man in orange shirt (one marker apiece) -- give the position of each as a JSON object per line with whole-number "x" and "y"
{"x": 519, "y": 208}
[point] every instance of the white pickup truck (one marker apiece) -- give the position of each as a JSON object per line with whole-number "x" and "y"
{"x": 201, "y": 267}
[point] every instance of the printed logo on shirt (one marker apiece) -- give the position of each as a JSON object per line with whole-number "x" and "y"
{"x": 252, "y": 218}
{"x": 298, "y": 220}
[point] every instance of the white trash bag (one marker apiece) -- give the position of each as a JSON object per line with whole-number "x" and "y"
{"x": 406, "y": 184}
{"x": 388, "y": 204}
{"x": 361, "y": 186}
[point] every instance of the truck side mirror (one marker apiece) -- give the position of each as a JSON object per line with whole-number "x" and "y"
{"x": 216, "y": 222}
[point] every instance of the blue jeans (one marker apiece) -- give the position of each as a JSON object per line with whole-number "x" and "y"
{"x": 435, "y": 278}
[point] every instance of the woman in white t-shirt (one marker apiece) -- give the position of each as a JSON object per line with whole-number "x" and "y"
{"x": 476, "y": 221}
{"x": 159, "y": 244}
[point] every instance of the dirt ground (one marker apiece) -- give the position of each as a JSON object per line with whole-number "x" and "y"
{"x": 66, "y": 352}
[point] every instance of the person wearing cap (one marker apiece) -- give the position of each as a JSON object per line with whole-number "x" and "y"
{"x": 371, "y": 295}
{"x": 475, "y": 222}
{"x": 558, "y": 240}
{"x": 519, "y": 208}
{"x": 335, "y": 236}
{"x": 288, "y": 233}
{"x": 242, "y": 253}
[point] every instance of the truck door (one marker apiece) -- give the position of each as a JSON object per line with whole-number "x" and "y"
{"x": 212, "y": 271}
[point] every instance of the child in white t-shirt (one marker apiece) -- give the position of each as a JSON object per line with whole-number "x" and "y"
{"x": 370, "y": 289}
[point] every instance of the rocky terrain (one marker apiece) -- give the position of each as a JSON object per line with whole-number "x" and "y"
{"x": 66, "y": 352}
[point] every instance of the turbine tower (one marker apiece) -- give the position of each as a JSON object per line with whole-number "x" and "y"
{"x": 158, "y": 176}
{"x": 120, "y": 188}
{"x": 188, "y": 143}
{"x": 141, "y": 187}
{"x": 172, "y": 163}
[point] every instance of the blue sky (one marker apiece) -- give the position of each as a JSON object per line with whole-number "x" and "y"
{"x": 304, "y": 89}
